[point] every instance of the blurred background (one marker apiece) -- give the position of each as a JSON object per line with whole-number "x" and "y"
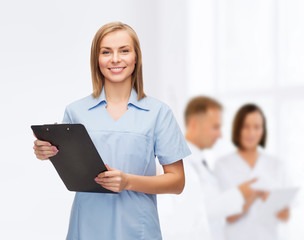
{"x": 234, "y": 50}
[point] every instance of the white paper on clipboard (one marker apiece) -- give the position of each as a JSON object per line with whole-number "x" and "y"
{"x": 277, "y": 200}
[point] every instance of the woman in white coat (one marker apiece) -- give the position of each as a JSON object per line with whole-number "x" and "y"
{"x": 249, "y": 132}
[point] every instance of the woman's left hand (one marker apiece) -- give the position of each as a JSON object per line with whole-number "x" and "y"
{"x": 113, "y": 179}
{"x": 283, "y": 215}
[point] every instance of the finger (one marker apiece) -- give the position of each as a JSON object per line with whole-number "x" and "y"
{"x": 45, "y": 148}
{"x": 108, "y": 168}
{"x": 41, "y": 143}
{"x": 45, "y": 153}
{"x": 108, "y": 174}
{"x": 103, "y": 179}
{"x": 98, "y": 181}
{"x": 252, "y": 181}
{"x": 109, "y": 180}
{"x": 101, "y": 175}
{"x": 262, "y": 193}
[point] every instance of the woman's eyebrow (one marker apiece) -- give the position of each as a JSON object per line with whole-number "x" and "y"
{"x": 124, "y": 46}
{"x": 119, "y": 47}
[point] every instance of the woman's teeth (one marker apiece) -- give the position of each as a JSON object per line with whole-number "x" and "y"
{"x": 116, "y": 69}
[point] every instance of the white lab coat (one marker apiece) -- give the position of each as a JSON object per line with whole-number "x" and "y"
{"x": 200, "y": 211}
{"x": 231, "y": 171}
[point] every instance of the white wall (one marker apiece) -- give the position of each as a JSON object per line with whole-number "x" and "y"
{"x": 252, "y": 51}
{"x": 172, "y": 55}
{"x": 44, "y": 65}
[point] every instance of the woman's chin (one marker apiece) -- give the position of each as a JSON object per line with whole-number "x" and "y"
{"x": 250, "y": 147}
{"x": 117, "y": 80}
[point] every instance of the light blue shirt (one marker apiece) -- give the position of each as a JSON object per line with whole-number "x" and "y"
{"x": 146, "y": 130}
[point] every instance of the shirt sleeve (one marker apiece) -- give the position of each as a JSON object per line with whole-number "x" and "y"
{"x": 169, "y": 143}
{"x": 66, "y": 116}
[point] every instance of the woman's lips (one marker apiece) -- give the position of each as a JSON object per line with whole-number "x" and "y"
{"x": 116, "y": 69}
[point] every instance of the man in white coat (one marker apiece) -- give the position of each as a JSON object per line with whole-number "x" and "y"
{"x": 200, "y": 211}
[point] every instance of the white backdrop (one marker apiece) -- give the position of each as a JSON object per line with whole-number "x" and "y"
{"x": 252, "y": 51}
{"x": 227, "y": 49}
{"x": 44, "y": 65}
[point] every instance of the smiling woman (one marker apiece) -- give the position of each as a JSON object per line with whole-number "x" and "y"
{"x": 129, "y": 129}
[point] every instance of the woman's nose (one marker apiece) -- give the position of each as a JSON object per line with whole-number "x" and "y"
{"x": 116, "y": 57}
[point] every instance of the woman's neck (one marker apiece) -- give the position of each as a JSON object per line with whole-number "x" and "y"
{"x": 117, "y": 93}
{"x": 249, "y": 155}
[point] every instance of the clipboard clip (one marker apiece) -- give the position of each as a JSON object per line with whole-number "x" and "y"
{"x": 56, "y": 123}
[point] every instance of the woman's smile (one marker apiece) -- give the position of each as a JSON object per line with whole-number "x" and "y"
{"x": 117, "y": 69}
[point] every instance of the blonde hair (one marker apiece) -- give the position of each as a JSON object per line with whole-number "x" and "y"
{"x": 97, "y": 77}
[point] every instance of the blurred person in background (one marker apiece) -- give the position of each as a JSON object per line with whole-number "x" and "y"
{"x": 202, "y": 208}
{"x": 248, "y": 133}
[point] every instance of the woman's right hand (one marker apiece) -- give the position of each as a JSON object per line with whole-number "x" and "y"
{"x": 44, "y": 150}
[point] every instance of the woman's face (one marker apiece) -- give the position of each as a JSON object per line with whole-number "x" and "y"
{"x": 252, "y": 131}
{"x": 117, "y": 57}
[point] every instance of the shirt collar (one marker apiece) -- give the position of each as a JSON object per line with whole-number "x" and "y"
{"x": 133, "y": 100}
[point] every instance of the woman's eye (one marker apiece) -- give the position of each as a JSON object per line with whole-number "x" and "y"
{"x": 258, "y": 127}
{"x": 105, "y": 52}
{"x": 125, "y": 51}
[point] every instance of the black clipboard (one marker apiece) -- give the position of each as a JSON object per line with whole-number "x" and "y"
{"x": 78, "y": 161}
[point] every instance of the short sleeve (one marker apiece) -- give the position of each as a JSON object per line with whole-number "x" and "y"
{"x": 169, "y": 143}
{"x": 66, "y": 116}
